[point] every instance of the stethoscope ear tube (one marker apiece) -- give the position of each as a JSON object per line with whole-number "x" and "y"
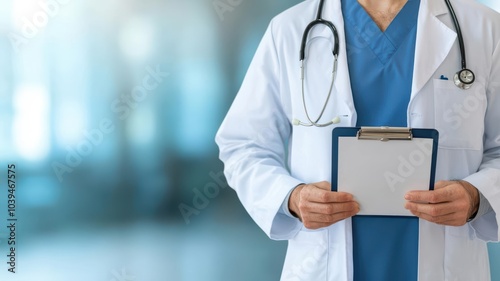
{"x": 335, "y": 50}
{"x": 462, "y": 79}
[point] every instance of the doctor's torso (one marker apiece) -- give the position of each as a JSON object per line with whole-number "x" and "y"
{"x": 458, "y": 115}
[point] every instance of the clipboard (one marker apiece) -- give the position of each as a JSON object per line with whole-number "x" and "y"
{"x": 378, "y": 165}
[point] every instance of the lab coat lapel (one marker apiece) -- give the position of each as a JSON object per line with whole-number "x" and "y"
{"x": 345, "y": 105}
{"x": 333, "y": 12}
{"x": 434, "y": 42}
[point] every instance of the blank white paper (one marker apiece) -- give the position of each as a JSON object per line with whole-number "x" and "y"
{"x": 379, "y": 173}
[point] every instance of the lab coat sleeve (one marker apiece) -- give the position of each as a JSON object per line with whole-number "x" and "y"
{"x": 252, "y": 141}
{"x": 487, "y": 179}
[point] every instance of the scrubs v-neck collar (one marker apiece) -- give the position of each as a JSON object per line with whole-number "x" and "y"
{"x": 382, "y": 44}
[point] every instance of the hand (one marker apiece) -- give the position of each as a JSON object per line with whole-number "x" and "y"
{"x": 317, "y": 206}
{"x": 450, "y": 203}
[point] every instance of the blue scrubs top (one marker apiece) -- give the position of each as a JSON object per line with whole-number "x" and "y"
{"x": 381, "y": 70}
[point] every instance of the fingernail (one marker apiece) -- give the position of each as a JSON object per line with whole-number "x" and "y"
{"x": 407, "y": 196}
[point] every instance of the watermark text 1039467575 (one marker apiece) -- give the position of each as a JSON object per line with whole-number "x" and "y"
{"x": 11, "y": 218}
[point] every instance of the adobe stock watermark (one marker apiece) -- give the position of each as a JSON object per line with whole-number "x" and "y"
{"x": 460, "y": 111}
{"x": 304, "y": 270}
{"x": 122, "y": 107}
{"x": 211, "y": 190}
{"x": 201, "y": 196}
{"x": 224, "y": 6}
{"x": 47, "y": 9}
{"x": 408, "y": 165}
{"x": 122, "y": 275}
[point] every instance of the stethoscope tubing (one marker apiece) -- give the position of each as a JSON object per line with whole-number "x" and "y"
{"x": 461, "y": 43}
{"x": 459, "y": 81}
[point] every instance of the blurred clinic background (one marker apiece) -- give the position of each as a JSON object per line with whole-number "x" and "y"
{"x": 108, "y": 109}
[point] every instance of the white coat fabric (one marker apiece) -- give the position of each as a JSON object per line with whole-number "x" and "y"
{"x": 265, "y": 156}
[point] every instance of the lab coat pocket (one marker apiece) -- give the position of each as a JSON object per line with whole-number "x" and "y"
{"x": 459, "y": 115}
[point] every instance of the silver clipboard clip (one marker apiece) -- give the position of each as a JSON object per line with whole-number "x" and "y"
{"x": 384, "y": 133}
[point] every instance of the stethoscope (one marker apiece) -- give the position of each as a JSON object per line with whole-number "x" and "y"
{"x": 464, "y": 78}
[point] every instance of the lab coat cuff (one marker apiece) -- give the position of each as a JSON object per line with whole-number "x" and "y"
{"x": 485, "y": 224}
{"x": 484, "y": 206}
{"x": 285, "y": 226}
{"x": 284, "y": 206}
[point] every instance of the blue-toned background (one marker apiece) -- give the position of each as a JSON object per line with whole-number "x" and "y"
{"x": 108, "y": 109}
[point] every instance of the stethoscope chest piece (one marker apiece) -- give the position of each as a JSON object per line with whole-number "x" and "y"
{"x": 464, "y": 79}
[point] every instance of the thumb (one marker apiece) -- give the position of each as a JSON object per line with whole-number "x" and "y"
{"x": 441, "y": 184}
{"x": 323, "y": 185}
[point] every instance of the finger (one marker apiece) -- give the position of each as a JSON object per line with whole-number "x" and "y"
{"x": 313, "y": 194}
{"x": 314, "y": 221}
{"x": 453, "y": 219}
{"x": 431, "y": 196}
{"x": 433, "y": 210}
{"x": 323, "y": 218}
{"x": 335, "y": 196}
{"x": 454, "y": 222}
{"x": 426, "y": 196}
{"x": 324, "y": 185}
{"x": 315, "y": 225}
{"x": 330, "y": 208}
{"x": 441, "y": 184}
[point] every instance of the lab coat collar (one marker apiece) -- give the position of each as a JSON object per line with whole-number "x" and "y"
{"x": 434, "y": 42}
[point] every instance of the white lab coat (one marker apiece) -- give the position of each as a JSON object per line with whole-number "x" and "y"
{"x": 265, "y": 156}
